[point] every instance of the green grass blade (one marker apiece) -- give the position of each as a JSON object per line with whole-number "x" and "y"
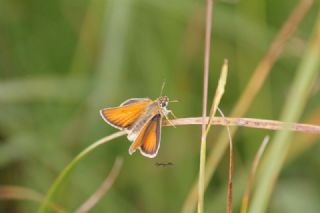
{"x": 63, "y": 175}
{"x": 292, "y": 111}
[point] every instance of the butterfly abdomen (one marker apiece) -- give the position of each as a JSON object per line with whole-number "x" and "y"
{"x": 150, "y": 112}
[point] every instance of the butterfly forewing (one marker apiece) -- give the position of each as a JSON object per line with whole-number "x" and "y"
{"x": 148, "y": 139}
{"x": 124, "y": 116}
{"x": 135, "y": 100}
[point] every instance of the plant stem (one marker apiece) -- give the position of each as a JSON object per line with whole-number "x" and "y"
{"x": 62, "y": 176}
{"x": 294, "y": 106}
{"x": 246, "y": 122}
{"x": 252, "y": 89}
{"x": 204, "y": 105}
{"x": 105, "y": 186}
{"x": 252, "y": 173}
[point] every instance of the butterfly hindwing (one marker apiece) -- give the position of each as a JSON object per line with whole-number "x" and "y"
{"x": 126, "y": 114}
{"x": 148, "y": 140}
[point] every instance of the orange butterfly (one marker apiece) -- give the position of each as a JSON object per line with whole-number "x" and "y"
{"x": 141, "y": 118}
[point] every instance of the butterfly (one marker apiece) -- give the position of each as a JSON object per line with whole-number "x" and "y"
{"x": 142, "y": 119}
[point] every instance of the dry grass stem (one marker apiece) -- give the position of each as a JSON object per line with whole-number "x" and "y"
{"x": 253, "y": 87}
{"x": 215, "y": 103}
{"x": 248, "y": 122}
{"x": 105, "y": 186}
{"x": 252, "y": 173}
{"x": 293, "y": 109}
{"x": 297, "y": 148}
{"x": 264, "y": 67}
{"x": 229, "y": 196}
{"x": 207, "y": 45}
{"x": 9, "y": 192}
{"x": 219, "y": 92}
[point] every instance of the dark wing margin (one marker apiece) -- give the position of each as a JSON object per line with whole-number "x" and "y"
{"x": 148, "y": 140}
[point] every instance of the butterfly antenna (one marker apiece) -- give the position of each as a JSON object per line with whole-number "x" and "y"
{"x": 162, "y": 87}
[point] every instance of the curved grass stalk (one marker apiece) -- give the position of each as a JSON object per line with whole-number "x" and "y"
{"x": 300, "y": 91}
{"x": 105, "y": 186}
{"x": 10, "y": 192}
{"x": 252, "y": 89}
{"x": 231, "y": 165}
{"x": 225, "y": 121}
{"x": 62, "y": 176}
{"x": 207, "y": 44}
{"x": 252, "y": 173}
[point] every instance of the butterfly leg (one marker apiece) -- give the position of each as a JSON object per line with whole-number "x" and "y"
{"x": 173, "y": 115}
{"x": 165, "y": 115}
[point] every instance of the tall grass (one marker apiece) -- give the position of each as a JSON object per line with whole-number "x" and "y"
{"x": 294, "y": 106}
{"x": 61, "y": 61}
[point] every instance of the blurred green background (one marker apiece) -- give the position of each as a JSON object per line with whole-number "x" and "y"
{"x": 62, "y": 61}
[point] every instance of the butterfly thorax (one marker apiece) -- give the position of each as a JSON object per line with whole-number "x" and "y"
{"x": 149, "y": 112}
{"x": 159, "y": 106}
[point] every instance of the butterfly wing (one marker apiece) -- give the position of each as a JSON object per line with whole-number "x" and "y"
{"x": 148, "y": 140}
{"x": 134, "y": 100}
{"x": 124, "y": 116}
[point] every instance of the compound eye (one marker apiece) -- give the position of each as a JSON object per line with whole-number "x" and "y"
{"x": 164, "y": 104}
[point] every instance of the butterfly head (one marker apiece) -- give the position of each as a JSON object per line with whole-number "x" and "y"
{"x": 163, "y": 101}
